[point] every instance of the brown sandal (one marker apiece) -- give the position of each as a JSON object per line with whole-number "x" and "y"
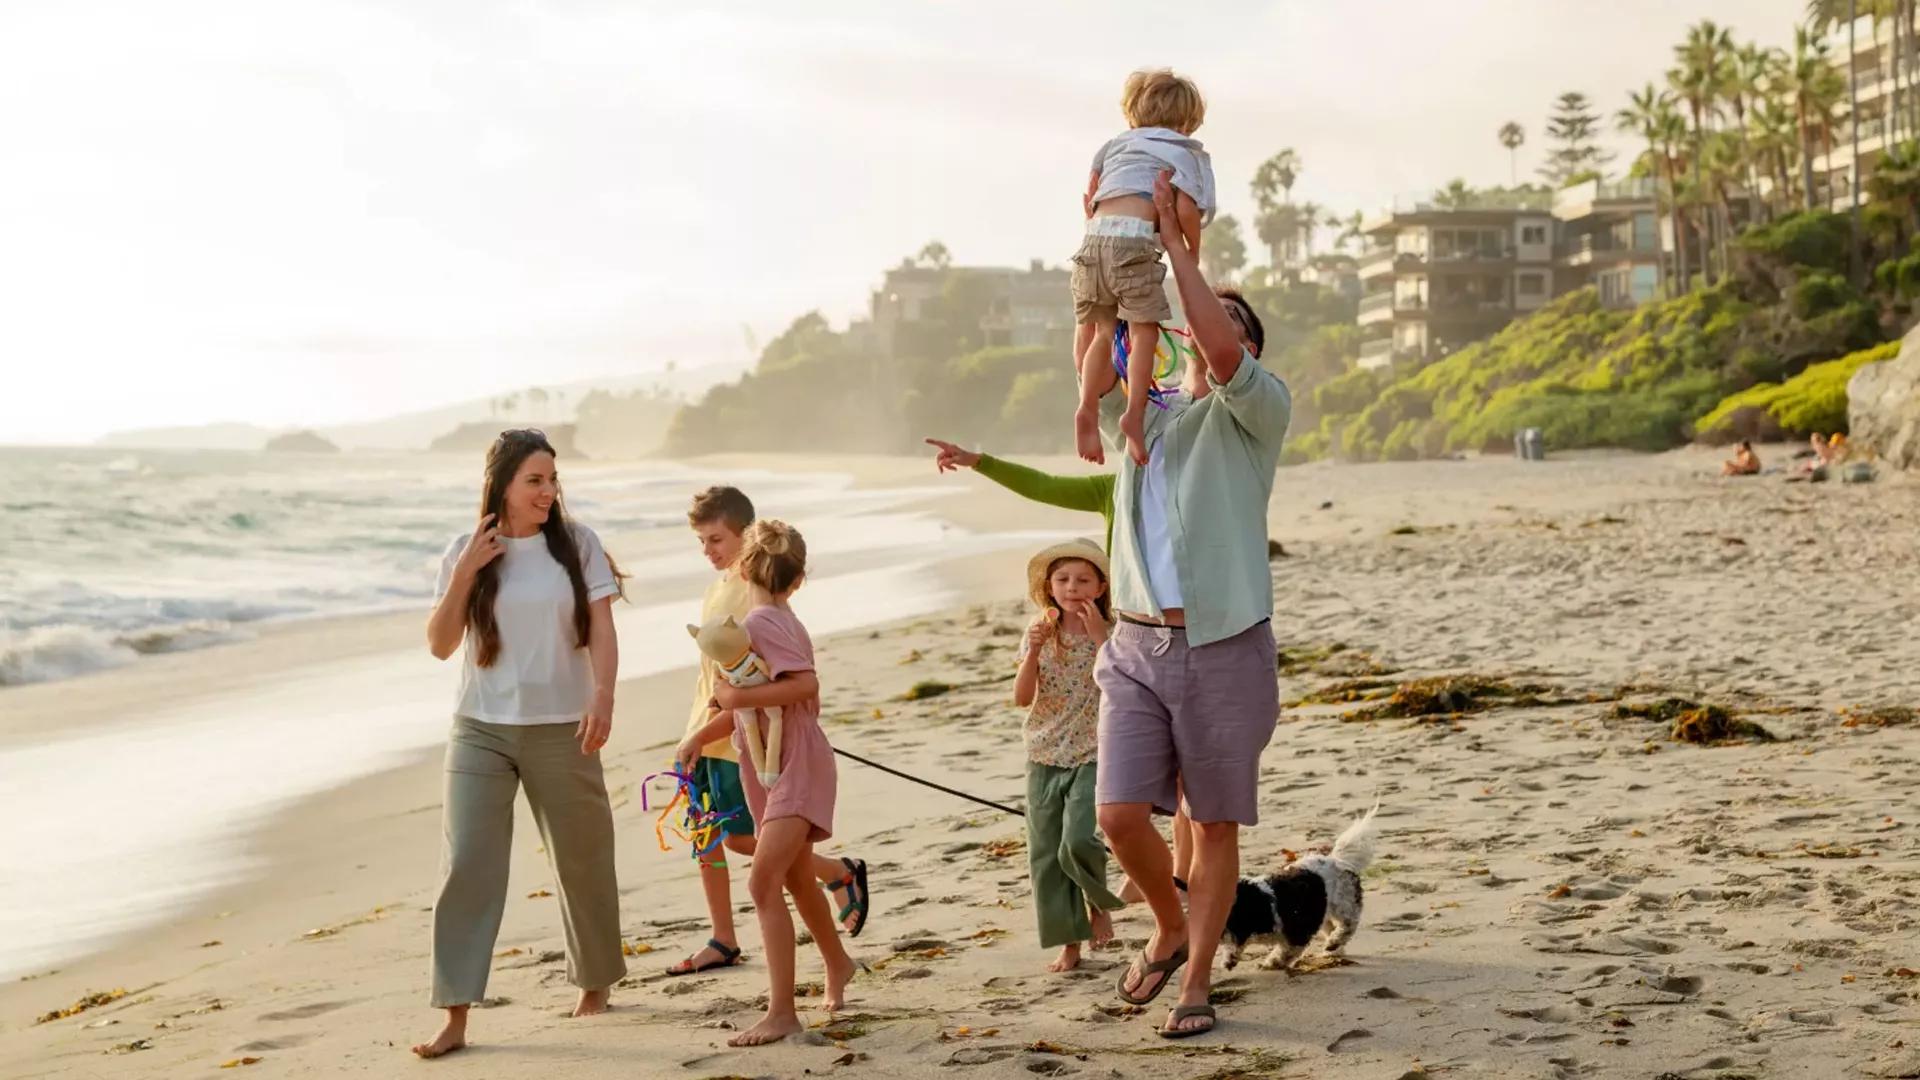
{"x": 1187, "y": 1012}
{"x": 1164, "y": 968}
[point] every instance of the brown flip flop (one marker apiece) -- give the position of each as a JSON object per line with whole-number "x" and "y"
{"x": 1164, "y": 968}
{"x": 1184, "y": 1012}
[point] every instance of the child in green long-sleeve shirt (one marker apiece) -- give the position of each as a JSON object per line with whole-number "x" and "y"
{"x": 1092, "y": 493}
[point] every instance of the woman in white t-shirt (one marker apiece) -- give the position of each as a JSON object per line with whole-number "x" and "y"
{"x": 531, "y": 596}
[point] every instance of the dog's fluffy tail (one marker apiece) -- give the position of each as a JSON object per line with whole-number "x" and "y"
{"x": 1355, "y": 846}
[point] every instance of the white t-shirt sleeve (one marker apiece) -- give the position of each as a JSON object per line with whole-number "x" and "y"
{"x": 595, "y": 567}
{"x": 447, "y": 562}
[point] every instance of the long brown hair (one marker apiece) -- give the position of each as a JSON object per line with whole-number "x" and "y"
{"x": 504, "y": 459}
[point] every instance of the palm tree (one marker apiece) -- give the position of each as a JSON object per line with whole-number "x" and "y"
{"x": 1224, "y": 252}
{"x": 1512, "y": 136}
{"x": 1746, "y": 75}
{"x": 1895, "y": 183}
{"x": 1697, "y": 80}
{"x": 1643, "y": 117}
{"x": 1671, "y": 130}
{"x": 1454, "y": 196}
{"x": 1816, "y": 86}
{"x": 934, "y": 256}
{"x": 1721, "y": 164}
{"x": 1350, "y": 230}
{"x": 1310, "y": 220}
{"x": 1279, "y": 228}
{"x": 1277, "y": 225}
{"x": 1276, "y": 174}
{"x": 1775, "y": 143}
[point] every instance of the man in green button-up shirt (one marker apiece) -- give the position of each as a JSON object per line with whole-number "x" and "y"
{"x": 1187, "y": 681}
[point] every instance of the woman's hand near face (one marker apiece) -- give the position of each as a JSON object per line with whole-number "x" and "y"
{"x": 483, "y": 547}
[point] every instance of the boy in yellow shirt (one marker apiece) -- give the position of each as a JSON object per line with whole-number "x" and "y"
{"x": 719, "y": 517}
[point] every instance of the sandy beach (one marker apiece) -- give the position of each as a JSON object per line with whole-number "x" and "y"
{"x": 1487, "y": 647}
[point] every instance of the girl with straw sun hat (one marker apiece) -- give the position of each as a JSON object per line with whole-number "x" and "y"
{"x": 1067, "y": 584}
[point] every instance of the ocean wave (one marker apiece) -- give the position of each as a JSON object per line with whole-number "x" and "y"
{"x": 50, "y": 653}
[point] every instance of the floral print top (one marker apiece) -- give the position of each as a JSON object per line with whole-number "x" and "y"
{"x": 1063, "y": 726}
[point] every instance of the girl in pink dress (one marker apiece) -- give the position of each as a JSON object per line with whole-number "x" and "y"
{"x": 798, "y": 812}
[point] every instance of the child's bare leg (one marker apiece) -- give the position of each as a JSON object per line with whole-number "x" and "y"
{"x": 777, "y": 850}
{"x": 811, "y": 903}
{"x": 1096, "y": 379}
{"x": 1082, "y": 337}
{"x": 1140, "y": 359}
{"x": 716, "y": 882}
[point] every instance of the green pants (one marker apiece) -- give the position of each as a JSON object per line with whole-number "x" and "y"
{"x": 486, "y": 766}
{"x": 1065, "y": 859}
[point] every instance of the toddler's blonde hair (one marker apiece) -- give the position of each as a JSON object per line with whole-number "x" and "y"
{"x": 774, "y": 556}
{"x": 1156, "y": 97}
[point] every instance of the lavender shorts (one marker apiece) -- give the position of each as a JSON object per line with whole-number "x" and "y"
{"x": 1201, "y": 717}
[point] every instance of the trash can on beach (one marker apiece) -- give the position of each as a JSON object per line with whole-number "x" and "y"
{"x": 1530, "y": 445}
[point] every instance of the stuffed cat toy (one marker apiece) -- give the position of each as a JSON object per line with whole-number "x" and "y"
{"x": 725, "y": 642}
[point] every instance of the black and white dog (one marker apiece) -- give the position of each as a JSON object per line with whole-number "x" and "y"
{"x": 1315, "y": 893}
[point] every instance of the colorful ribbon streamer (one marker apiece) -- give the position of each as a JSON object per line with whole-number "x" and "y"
{"x": 702, "y": 826}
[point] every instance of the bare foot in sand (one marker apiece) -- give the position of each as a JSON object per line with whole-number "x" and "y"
{"x": 1086, "y": 436}
{"x": 770, "y": 1029}
{"x": 1068, "y": 959}
{"x": 591, "y": 1003}
{"x": 838, "y": 976}
{"x": 1102, "y": 927}
{"x": 452, "y": 1037}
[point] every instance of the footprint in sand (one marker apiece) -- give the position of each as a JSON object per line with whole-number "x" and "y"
{"x": 284, "y": 1042}
{"x": 306, "y": 1012}
{"x": 1545, "y": 1014}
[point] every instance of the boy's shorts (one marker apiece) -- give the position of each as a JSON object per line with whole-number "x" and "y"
{"x": 720, "y": 780}
{"x": 1118, "y": 273}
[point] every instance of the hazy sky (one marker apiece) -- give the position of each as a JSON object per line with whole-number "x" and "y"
{"x": 305, "y": 213}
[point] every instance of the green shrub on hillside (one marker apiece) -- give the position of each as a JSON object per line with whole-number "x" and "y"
{"x": 1589, "y": 375}
{"x": 1813, "y": 239}
{"x": 1814, "y": 400}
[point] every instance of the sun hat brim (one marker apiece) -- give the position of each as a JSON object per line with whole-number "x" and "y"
{"x": 1038, "y": 566}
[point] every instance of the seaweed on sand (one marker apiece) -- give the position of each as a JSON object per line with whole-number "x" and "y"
{"x": 1664, "y": 711}
{"x": 1449, "y": 695}
{"x": 1877, "y": 716}
{"x": 1346, "y": 692}
{"x": 1710, "y": 724}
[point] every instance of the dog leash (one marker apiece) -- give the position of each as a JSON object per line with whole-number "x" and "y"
{"x": 1002, "y": 807}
